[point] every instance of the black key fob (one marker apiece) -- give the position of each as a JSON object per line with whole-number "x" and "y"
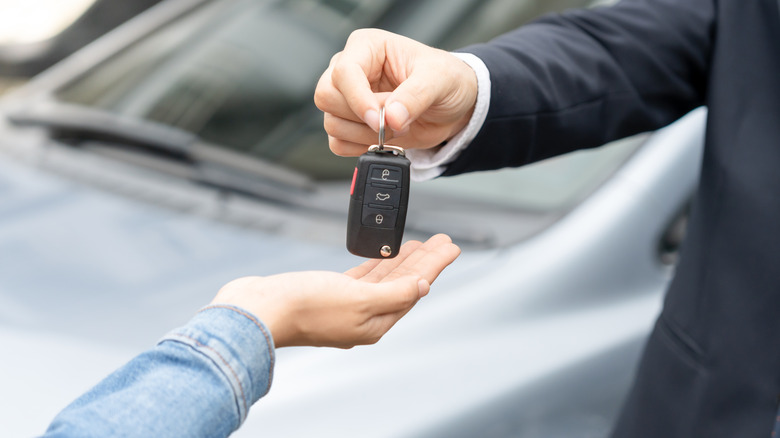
{"x": 378, "y": 200}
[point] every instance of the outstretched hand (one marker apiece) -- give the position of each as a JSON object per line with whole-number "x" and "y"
{"x": 428, "y": 94}
{"x": 357, "y": 307}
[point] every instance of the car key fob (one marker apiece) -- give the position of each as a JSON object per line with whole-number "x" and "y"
{"x": 378, "y": 200}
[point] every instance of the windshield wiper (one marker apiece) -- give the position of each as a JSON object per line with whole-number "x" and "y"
{"x": 209, "y": 164}
{"x": 80, "y": 122}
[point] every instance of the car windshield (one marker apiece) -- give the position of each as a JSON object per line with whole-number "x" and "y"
{"x": 240, "y": 74}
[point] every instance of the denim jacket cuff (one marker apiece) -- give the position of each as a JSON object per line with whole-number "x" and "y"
{"x": 238, "y": 344}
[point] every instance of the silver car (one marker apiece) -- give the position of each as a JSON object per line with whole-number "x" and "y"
{"x": 183, "y": 150}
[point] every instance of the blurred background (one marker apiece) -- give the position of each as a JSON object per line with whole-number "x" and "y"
{"x": 35, "y": 34}
{"x": 153, "y": 150}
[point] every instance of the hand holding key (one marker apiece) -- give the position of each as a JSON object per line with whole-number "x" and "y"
{"x": 429, "y": 93}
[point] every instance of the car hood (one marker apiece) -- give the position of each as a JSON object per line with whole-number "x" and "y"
{"x": 67, "y": 249}
{"x": 98, "y": 260}
{"x": 90, "y": 277}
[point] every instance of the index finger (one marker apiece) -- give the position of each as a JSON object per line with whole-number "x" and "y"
{"x": 351, "y": 75}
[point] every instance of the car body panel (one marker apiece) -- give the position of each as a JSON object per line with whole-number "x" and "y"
{"x": 100, "y": 256}
{"x": 448, "y": 358}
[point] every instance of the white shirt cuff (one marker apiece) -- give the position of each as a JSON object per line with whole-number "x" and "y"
{"x": 427, "y": 164}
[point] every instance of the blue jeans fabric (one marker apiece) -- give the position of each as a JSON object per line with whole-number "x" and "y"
{"x": 199, "y": 381}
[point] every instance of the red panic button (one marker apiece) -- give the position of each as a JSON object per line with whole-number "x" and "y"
{"x": 354, "y": 177}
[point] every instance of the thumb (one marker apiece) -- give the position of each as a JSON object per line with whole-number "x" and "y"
{"x": 412, "y": 98}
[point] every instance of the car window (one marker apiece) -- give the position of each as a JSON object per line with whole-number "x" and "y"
{"x": 241, "y": 74}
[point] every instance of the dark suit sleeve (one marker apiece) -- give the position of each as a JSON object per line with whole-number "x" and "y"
{"x": 585, "y": 77}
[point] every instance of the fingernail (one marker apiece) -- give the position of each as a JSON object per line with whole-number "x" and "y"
{"x": 372, "y": 119}
{"x": 399, "y": 113}
{"x": 423, "y": 287}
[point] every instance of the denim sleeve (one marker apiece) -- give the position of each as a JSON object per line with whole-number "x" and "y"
{"x": 199, "y": 381}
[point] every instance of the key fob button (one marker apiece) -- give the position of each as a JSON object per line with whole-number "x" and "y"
{"x": 382, "y": 196}
{"x": 379, "y": 218}
{"x": 385, "y": 174}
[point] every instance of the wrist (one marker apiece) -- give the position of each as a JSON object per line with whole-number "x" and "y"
{"x": 256, "y": 296}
